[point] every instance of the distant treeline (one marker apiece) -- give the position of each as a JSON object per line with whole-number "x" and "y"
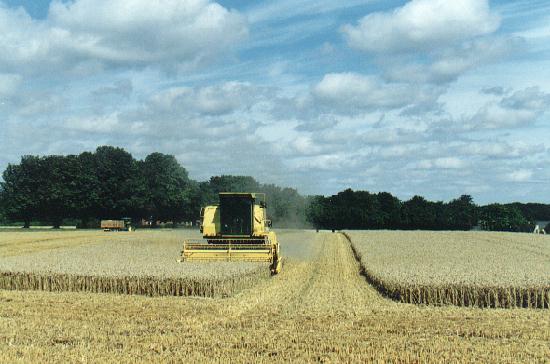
{"x": 363, "y": 210}
{"x": 110, "y": 184}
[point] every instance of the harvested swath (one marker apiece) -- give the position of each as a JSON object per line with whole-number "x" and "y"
{"x": 131, "y": 264}
{"x": 480, "y": 269}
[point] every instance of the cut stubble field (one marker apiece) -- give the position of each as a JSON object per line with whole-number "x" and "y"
{"x": 318, "y": 309}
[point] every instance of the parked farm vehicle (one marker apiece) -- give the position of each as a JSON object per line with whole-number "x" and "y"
{"x": 237, "y": 229}
{"x": 117, "y": 225}
{"x": 538, "y": 230}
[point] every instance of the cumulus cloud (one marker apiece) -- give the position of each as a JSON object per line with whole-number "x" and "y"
{"x": 399, "y": 151}
{"x": 493, "y": 116}
{"x": 521, "y": 108}
{"x": 304, "y": 145}
{"x": 439, "y": 163}
{"x": 323, "y": 122}
{"x": 217, "y": 99}
{"x": 362, "y": 91}
{"x": 36, "y": 105}
{"x": 499, "y": 149}
{"x": 98, "y": 124}
{"x": 170, "y": 33}
{"x": 392, "y": 135}
{"x": 225, "y": 113}
{"x": 353, "y": 91}
{"x": 432, "y": 41}
{"x": 517, "y": 109}
{"x": 121, "y": 88}
{"x": 447, "y": 64}
{"x": 325, "y": 162}
{"x": 520, "y": 175}
{"x": 422, "y": 24}
{"x": 531, "y": 98}
{"x": 495, "y": 90}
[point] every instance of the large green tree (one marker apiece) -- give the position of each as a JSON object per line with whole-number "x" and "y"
{"x": 228, "y": 183}
{"x": 390, "y": 210}
{"x": 418, "y": 213}
{"x": 169, "y": 191}
{"x": 463, "y": 213}
{"x": 21, "y": 187}
{"x": 533, "y": 211}
{"x": 316, "y": 213}
{"x": 88, "y": 185}
{"x": 497, "y": 217}
{"x": 59, "y": 195}
{"x": 121, "y": 191}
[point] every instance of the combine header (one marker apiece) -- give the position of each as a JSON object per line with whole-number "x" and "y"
{"x": 236, "y": 229}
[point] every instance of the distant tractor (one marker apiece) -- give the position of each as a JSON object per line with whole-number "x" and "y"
{"x": 236, "y": 229}
{"x": 117, "y": 225}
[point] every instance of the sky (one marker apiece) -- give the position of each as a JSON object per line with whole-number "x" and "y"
{"x": 430, "y": 97}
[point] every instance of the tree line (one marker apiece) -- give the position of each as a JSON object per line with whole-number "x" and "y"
{"x": 363, "y": 210}
{"x": 110, "y": 183}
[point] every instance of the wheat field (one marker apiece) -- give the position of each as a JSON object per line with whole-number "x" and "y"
{"x": 142, "y": 262}
{"x": 484, "y": 269}
{"x": 319, "y": 309}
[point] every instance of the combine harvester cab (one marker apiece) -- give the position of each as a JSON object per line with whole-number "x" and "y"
{"x": 237, "y": 229}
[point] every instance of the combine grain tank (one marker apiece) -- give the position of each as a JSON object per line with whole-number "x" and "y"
{"x": 237, "y": 229}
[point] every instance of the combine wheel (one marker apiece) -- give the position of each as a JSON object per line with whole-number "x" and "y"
{"x": 276, "y": 266}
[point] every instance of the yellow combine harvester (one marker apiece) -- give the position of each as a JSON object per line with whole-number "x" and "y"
{"x": 237, "y": 229}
